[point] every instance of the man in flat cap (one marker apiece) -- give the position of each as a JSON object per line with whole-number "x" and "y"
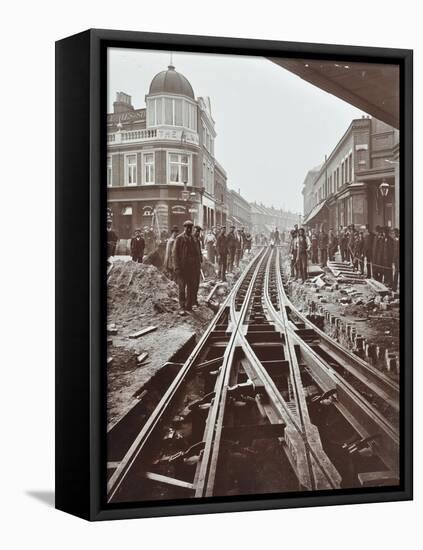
{"x": 185, "y": 261}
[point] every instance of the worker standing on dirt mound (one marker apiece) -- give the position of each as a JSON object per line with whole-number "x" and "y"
{"x": 199, "y": 258}
{"x": 137, "y": 247}
{"x": 185, "y": 261}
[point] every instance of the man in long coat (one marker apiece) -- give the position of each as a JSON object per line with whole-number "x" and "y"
{"x": 323, "y": 247}
{"x": 222, "y": 252}
{"x": 185, "y": 259}
{"x": 137, "y": 247}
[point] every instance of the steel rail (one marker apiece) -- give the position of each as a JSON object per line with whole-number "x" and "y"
{"x": 205, "y": 477}
{"x": 147, "y": 430}
{"x": 386, "y": 387}
{"x": 365, "y": 418}
{"x": 320, "y": 463}
{"x": 313, "y": 469}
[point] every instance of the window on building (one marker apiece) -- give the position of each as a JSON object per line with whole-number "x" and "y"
{"x": 151, "y": 112}
{"x": 159, "y": 110}
{"x": 350, "y": 168}
{"x": 178, "y": 112}
{"x": 109, "y": 172}
{"x": 337, "y": 178}
{"x": 178, "y": 168}
{"x": 168, "y": 104}
{"x": 149, "y": 168}
{"x": 172, "y": 112}
{"x": 190, "y": 116}
{"x": 131, "y": 170}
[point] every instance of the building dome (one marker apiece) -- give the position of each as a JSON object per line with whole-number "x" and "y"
{"x": 171, "y": 82}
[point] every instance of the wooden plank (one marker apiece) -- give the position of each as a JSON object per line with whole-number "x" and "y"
{"x": 377, "y": 479}
{"x": 142, "y": 332}
{"x": 142, "y": 357}
{"x": 210, "y": 363}
{"x": 169, "y": 480}
{"x": 250, "y": 372}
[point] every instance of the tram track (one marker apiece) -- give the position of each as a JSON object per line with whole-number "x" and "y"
{"x": 245, "y": 412}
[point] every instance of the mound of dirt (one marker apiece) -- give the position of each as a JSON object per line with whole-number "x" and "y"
{"x": 135, "y": 289}
{"x": 140, "y": 296}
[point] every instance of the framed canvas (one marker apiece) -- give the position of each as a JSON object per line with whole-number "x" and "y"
{"x": 233, "y": 274}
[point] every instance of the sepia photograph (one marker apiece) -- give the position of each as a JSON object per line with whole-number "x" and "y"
{"x": 253, "y": 275}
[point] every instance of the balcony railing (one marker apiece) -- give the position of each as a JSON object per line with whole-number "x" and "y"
{"x": 131, "y": 135}
{"x": 166, "y": 134}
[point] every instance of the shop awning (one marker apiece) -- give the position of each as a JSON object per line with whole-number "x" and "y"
{"x": 314, "y": 212}
{"x": 235, "y": 221}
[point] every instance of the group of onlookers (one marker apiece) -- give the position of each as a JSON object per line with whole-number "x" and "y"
{"x": 183, "y": 253}
{"x": 226, "y": 250}
{"x": 373, "y": 254}
{"x": 141, "y": 244}
{"x": 184, "y": 256}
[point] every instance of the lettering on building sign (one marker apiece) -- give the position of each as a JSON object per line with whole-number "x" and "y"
{"x": 178, "y": 209}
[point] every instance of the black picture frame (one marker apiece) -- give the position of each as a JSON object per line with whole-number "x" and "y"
{"x": 80, "y": 279}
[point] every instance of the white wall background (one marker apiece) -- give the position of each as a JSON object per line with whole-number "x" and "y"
{"x": 28, "y": 32}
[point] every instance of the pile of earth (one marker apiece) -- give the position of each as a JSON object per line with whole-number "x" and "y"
{"x": 135, "y": 288}
{"x": 141, "y": 296}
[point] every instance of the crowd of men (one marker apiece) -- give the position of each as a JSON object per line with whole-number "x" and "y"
{"x": 373, "y": 254}
{"x": 184, "y": 256}
{"x": 184, "y": 253}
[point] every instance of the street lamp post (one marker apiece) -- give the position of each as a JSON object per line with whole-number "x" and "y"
{"x": 384, "y": 190}
{"x": 188, "y": 197}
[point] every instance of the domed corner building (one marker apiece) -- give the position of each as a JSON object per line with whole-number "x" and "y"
{"x": 161, "y": 168}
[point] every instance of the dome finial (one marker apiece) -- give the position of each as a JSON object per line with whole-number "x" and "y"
{"x": 171, "y": 66}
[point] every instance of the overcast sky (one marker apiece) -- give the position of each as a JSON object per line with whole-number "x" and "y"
{"x": 272, "y": 126}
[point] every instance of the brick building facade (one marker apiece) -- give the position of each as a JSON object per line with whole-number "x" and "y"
{"x": 161, "y": 168}
{"x": 359, "y": 181}
{"x": 265, "y": 219}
